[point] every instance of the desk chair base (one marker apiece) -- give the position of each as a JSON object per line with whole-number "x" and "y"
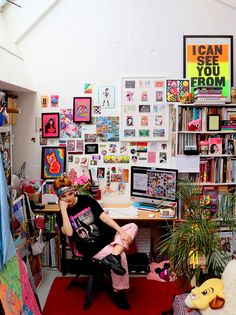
{"x": 96, "y": 272}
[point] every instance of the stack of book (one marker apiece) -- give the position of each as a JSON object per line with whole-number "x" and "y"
{"x": 208, "y": 95}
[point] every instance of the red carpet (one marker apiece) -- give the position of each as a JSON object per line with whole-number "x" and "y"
{"x": 145, "y": 296}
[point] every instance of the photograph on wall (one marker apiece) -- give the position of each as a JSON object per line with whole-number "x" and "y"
{"x": 144, "y": 112}
{"x": 82, "y": 107}
{"x": 50, "y": 125}
{"x": 69, "y": 129}
{"x": 106, "y": 96}
{"x": 53, "y": 162}
{"x": 208, "y": 61}
{"x": 6, "y": 157}
{"x": 175, "y": 88}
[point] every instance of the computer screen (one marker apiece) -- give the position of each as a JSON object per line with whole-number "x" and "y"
{"x": 153, "y": 185}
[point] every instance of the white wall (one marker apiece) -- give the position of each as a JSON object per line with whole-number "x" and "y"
{"x": 13, "y": 72}
{"x": 76, "y": 41}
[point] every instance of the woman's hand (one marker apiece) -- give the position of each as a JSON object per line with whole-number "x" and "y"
{"x": 125, "y": 237}
{"x": 63, "y": 205}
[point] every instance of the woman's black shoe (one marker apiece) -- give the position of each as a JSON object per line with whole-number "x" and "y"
{"x": 119, "y": 299}
{"x": 113, "y": 261}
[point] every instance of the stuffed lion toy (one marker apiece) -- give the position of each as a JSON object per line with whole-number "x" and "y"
{"x": 216, "y": 296}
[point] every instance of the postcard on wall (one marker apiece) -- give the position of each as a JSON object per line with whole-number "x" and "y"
{"x": 144, "y": 113}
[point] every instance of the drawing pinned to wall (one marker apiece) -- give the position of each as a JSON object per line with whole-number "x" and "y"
{"x": 88, "y": 88}
{"x": 141, "y": 97}
{"x": 69, "y": 129}
{"x": 44, "y": 101}
{"x": 176, "y": 88}
{"x": 106, "y": 96}
{"x": 54, "y": 100}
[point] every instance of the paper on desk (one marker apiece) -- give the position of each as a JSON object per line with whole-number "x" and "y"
{"x": 187, "y": 163}
{"x": 130, "y": 212}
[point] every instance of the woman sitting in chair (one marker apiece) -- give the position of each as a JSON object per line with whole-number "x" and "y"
{"x": 96, "y": 234}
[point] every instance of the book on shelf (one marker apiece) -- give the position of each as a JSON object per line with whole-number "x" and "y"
{"x": 231, "y": 149}
{"x": 215, "y": 146}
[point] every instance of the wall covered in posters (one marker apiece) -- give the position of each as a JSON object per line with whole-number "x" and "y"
{"x": 144, "y": 113}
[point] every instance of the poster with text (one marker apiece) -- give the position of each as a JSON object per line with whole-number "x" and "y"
{"x": 208, "y": 61}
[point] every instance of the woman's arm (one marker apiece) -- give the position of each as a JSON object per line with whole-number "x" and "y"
{"x": 109, "y": 221}
{"x": 66, "y": 227}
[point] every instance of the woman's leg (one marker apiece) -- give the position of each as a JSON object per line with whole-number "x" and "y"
{"x": 119, "y": 282}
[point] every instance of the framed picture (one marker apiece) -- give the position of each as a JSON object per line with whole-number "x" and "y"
{"x": 144, "y": 112}
{"x": 53, "y": 163}
{"x": 50, "y": 125}
{"x": 213, "y": 122}
{"x": 82, "y": 109}
{"x": 208, "y": 61}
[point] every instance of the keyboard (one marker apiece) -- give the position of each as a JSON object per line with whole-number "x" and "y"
{"x": 130, "y": 212}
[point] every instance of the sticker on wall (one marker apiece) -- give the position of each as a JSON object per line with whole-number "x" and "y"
{"x": 130, "y": 84}
{"x": 70, "y": 143}
{"x": 116, "y": 159}
{"x": 54, "y": 100}
{"x": 42, "y": 141}
{"x": 100, "y": 172}
{"x": 90, "y": 137}
{"x": 163, "y": 157}
{"x": 106, "y": 96}
{"x": 88, "y": 88}
{"x": 62, "y": 142}
{"x": 158, "y": 133}
{"x": 91, "y": 148}
{"x": 79, "y": 145}
{"x": 141, "y": 146}
{"x": 72, "y": 174}
{"x": 44, "y": 101}
{"x": 152, "y": 157}
{"x": 129, "y": 121}
{"x": 83, "y": 160}
{"x": 97, "y": 110}
{"x": 68, "y": 129}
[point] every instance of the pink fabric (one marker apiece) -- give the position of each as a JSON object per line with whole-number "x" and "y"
{"x": 119, "y": 282}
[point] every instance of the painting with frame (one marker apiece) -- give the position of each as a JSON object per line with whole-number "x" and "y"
{"x": 208, "y": 61}
{"x": 53, "y": 163}
{"x": 50, "y": 125}
{"x": 82, "y": 109}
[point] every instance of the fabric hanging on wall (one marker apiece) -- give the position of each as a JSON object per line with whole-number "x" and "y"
{"x": 7, "y": 246}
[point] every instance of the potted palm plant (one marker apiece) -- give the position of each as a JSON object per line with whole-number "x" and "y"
{"x": 193, "y": 244}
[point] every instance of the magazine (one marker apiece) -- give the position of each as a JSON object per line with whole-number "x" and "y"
{"x": 215, "y": 146}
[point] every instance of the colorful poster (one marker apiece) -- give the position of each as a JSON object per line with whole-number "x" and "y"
{"x": 207, "y": 61}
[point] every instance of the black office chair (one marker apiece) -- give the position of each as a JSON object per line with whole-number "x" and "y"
{"x": 98, "y": 274}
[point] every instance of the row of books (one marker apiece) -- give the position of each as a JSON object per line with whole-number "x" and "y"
{"x": 222, "y": 144}
{"x": 196, "y": 116}
{"x": 218, "y": 170}
{"x": 208, "y": 94}
{"x": 49, "y": 256}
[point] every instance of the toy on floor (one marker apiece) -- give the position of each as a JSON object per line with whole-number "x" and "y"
{"x": 160, "y": 271}
{"x": 216, "y": 296}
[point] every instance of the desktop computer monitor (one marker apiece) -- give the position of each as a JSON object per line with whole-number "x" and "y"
{"x": 152, "y": 185}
